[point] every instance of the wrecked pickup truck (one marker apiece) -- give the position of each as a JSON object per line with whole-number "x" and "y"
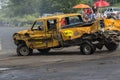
{"x": 66, "y": 30}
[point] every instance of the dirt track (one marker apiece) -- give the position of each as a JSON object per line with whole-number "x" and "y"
{"x": 65, "y": 55}
{"x": 61, "y": 65}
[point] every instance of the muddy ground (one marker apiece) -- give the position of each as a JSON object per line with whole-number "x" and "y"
{"x": 65, "y": 64}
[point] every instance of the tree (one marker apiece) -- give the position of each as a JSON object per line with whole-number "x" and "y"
{"x": 28, "y": 7}
{"x": 4, "y": 3}
{"x": 23, "y": 7}
{"x": 50, "y": 6}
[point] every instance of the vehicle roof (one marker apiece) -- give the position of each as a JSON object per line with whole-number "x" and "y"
{"x": 57, "y": 16}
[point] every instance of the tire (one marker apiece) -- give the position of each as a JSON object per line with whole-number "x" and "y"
{"x": 87, "y": 48}
{"x": 111, "y": 46}
{"x": 23, "y": 50}
{"x": 44, "y": 51}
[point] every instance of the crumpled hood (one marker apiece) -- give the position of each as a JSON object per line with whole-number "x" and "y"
{"x": 23, "y": 32}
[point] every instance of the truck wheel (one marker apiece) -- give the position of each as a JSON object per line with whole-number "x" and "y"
{"x": 87, "y": 49}
{"x": 23, "y": 50}
{"x": 111, "y": 46}
{"x": 44, "y": 51}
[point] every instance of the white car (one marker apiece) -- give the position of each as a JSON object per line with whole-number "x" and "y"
{"x": 112, "y": 10}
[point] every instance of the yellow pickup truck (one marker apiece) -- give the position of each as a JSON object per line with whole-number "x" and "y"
{"x": 65, "y": 30}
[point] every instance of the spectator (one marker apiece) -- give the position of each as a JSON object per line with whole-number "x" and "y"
{"x": 83, "y": 12}
{"x": 104, "y": 16}
{"x": 91, "y": 17}
{"x": 94, "y": 8}
{"x": 84, "y": 15}
{"x": 98, "y": 15}
{"x": 89, "y": 11}
{"x": 85, "y": 18}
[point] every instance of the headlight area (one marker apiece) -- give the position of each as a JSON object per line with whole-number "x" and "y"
{"x": 18, "y": 36}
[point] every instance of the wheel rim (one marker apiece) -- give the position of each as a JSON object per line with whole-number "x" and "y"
{"x": 87, "y": 49}
{"x": 24, "y": 51}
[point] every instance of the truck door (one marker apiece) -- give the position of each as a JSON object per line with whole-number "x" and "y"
{"x": 51, "y": 33}
{"x": 37, "y": 35}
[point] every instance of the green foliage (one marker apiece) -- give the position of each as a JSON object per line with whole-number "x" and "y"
{"x": 23, "y": 7}
{"x": 117, "y": 5}
{"x": 22, "y": 11}
{"x": 27, "y": 7}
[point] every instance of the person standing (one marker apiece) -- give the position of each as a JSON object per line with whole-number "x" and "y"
{"x": 94, "y": 8}
{"x": 91, "y": 17}
{"x": 98, "y": 15}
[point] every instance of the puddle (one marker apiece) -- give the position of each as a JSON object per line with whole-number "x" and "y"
{"x": 3, "y": 69}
